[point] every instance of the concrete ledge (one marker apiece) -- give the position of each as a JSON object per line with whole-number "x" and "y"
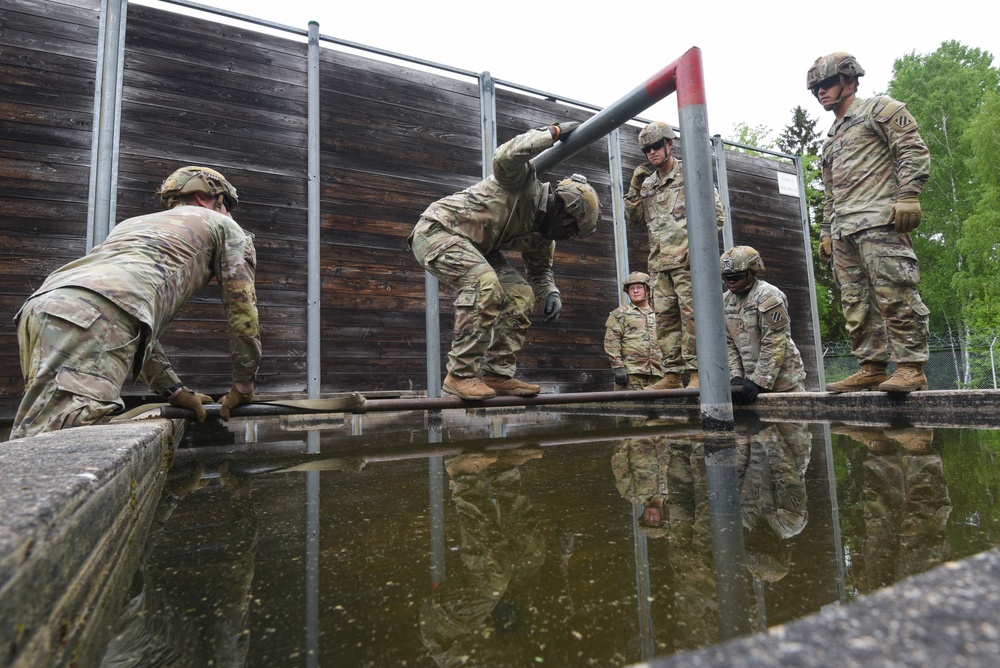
{"x": 949, "y": 616}
{"x": 77, "y": 505}
{"x": 973, "y": 409}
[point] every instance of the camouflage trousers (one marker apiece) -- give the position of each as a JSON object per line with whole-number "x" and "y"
{"x": 674, "y": 306}
{"x": 492, "y": 305}
{"x": 878, "y": 274}
{"x": 76, "y": 350}
{"x": 638, "y": 381}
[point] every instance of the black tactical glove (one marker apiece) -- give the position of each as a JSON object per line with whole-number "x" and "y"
{"x": 192, "y": 401}
{"x": 565, "y": 128}
{"x": 749, "y": 393}
{"x": 233, "y": 399}
{"x": 553, "y": 307}
{"x": 621, "y": 376}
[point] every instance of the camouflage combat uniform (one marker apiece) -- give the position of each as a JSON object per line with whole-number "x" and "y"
{"x": 759, "y": 339}
{"x": 872, "y": 156}
{"x": 630, "y": 342}
{"x": 459, "y": 239}
{"x": 660, "y": 205}
{"x": 94, "y": 318}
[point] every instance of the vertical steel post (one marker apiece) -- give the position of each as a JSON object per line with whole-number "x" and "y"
{"x": 811, "y": 273}
{"x": 313, "y": 293}
{"x": 719, "y": 150}
{"x": 618, "y": 212}
{"x": 103, "y": 188}
{"x": 703, "y": 246}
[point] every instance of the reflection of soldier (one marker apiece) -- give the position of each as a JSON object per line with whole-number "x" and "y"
{"x": 772, "y": 463}
{"x": 480, "y": 612}
{"x": 640, "y": 468}
{"x": 193, "y": 614}
{"x": 906, "y": 505}
{"x": 630, "y": 337}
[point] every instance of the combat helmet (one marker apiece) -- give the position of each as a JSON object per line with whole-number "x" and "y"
{"x": 654, "y": 132}
{"x": 192, "y": 179}
{"x": 580, "y": 201}
{"x": 835, "y": 64}
{"x": 741, "y": 258}
{"x": 636, "y": 277}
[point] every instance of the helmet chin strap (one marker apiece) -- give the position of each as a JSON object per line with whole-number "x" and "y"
{"x": 840, "y": 97}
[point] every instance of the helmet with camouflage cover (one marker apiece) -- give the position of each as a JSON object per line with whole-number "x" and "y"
{"x": 634, "y": 278}
{"x": 654, "y": 132}
{"x": 835, "y": 64}
{"x": 192, "y": 179}
{"x": 580, "y": 201}
{"x": 741, "y": 258}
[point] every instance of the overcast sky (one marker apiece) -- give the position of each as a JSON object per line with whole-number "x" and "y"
{"x": 755, "y": 54}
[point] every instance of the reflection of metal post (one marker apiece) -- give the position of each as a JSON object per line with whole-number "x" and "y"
{"x": 312, "y": 556}
{"x": 642, "y": 589}
{"x": 436, "y": 483}
{"x": 838, "y": 546}
{"x": 728, "y": 550}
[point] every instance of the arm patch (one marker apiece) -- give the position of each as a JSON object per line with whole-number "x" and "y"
{"x": 896, "y": 116}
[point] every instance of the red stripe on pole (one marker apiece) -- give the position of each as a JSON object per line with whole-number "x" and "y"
{"x": 690, "y": 79}
{"x": 663, "y": 83}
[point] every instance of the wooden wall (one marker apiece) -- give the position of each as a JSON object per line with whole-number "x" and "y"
{"x": 393, "y": 139}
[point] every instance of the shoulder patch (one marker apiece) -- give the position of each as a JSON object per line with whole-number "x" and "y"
{"x": 895, "y": 115}
{"x": 770, "y": 303}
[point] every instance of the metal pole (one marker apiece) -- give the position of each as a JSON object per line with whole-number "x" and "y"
{"x": 618, "y": 211}
{"x": 719, "y": 150}
{"x": 107, "y": 122}
{"x": 703, "y": 246}
{"x": 313, "y": 333}
{"x": 654, "y": 89}
{"x": 811, "y": 273}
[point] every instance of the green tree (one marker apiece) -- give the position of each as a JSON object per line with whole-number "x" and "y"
{"x": 977, "y": 282}
{"x": 945, "y": 91}
{"x": 758, "y": 136}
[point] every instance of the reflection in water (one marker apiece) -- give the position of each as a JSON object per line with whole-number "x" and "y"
{"x": 192, "y": 612}
{"x": 536, "y": 553}
{"x": 906, "y": 505}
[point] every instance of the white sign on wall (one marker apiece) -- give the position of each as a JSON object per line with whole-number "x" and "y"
{"x": 788, "y": 184}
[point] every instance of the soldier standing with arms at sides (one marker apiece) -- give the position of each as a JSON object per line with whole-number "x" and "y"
{"x": 630, "y": 337}
{"x": 762, "y": 355}
{"x": 460, "y": 240}
{"x": 94, "y": 318}
{"x": 874, "y": 166}
{"x": 656, "y": 197}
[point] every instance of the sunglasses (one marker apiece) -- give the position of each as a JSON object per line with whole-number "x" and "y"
{"x": 656, "y": 146}
{"x": 826, "y": 84}
{"x": 733, "y": 278}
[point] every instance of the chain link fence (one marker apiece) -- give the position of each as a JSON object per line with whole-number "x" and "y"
{"x": 956, "y": 363}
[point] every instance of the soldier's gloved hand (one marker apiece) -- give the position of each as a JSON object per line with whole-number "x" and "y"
{"x": 565, "y": 129}
{"x": 553, "y": 307}
{"x": 233, "y": 399}
{"x": 749, "y": 393}
{"x": 621, "y": 376}
{"x": 192, "y": 401}
{"x": 825, "y": 249}
{"x": 638, "y": 176}
{"x": 905, "y": 214}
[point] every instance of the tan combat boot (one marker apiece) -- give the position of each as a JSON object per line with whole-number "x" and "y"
{"x": 693, "y": 381}
{"x": 915, "y": 440}
{"x": 908, "y": 377}
{"x": 670, "y": 381}
{"x": 470, "y": 389}
{"x": 868, "y": 378}
{"x": 510, "y": 386}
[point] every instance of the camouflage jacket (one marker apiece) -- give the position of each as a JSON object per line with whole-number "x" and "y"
{"x": 151, "y": 265}
{"x": 871, "y": 156}
{"x": 630, "y": 340}
{"x": 660, "y": 205}
{"x": 640, "y": 469}
{"x": 503, "y": 212}
{"x": 759, "y": 338}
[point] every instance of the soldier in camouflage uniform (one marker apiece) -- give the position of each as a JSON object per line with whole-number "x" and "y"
{"x": 630, "y": 337}
{"x": 874, "y": 166}
{"x": 762, "y": 355}
{"x": 94, "y": 318}
{"x": 460, "y": 240}
{"x": 656, "y": 198}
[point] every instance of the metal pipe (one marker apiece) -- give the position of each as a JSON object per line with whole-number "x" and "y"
{"x": 654, "y": 89}
{"x": 443, "y": 403}
{"x": 313, "y": 260}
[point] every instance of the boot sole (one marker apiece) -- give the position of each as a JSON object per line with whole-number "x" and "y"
{"x": 465, "y": 395}
{"x": 897, "y": 390}
{"x": 873, "y": 388}
{"x": 517, "y": 393}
